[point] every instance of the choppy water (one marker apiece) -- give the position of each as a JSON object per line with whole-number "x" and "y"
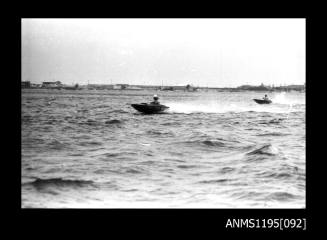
{"x": 211, "y": 149}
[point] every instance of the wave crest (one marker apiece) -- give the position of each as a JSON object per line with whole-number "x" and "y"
{"x": 264, "y": 150}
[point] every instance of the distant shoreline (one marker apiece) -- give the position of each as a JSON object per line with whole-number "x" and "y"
{"x": 188, "y": 88}
{"x": 179, "y": 90}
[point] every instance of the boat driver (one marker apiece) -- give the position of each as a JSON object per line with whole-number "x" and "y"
{"x": 266, "y": 97}
{"x": 155, "y": 99}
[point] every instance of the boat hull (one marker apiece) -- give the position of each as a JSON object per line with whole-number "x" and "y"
{"x": 262, "y": 101}
{"x": 149, "y": 108}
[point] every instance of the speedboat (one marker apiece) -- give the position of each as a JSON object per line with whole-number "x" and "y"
{"x": 263, "y": 101}
{"x": 149, "y": 108}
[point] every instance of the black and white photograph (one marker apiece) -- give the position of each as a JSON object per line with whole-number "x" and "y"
{"x": 163, "y": 113}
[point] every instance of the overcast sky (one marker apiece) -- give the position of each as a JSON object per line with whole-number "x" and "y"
{"x": 201, "y": 52}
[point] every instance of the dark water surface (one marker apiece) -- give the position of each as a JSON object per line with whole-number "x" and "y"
{"x": 211, "y": 149}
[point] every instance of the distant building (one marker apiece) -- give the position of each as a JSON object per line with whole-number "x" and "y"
{"x": 72, "y": 87}
{"x": 167, "y": 88}
{"x": 254, "y": 88}
{"x": 56, "y": 84}
{"x": 26, "y": 84}
{"x": 190, "y": 88}
{"x": 134, "y": 88}
{"x": 35, "y": 85}
{"x": 120, "y": 86}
